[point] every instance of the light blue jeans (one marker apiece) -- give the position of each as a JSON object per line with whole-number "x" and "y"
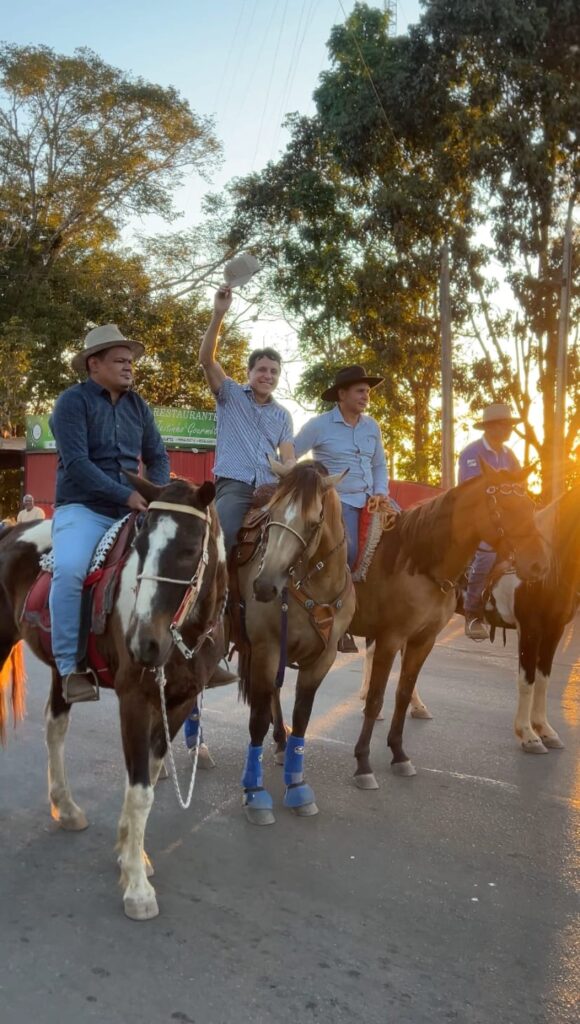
{"x": 76, "y": 531}
{"x": 481, "y": 566}
{"x": 351, "y": 516}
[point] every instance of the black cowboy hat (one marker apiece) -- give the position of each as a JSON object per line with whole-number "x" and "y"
{"x": 347, "y": 376}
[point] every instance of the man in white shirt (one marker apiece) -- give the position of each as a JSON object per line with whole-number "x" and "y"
{"x": 30, "y": 512}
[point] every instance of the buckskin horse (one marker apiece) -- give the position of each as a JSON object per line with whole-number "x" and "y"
{"x": 298, "y": 599}
{"x": 540, "y": 611}
{"x": 409, "y": 593}
{"x": 170, "y": 599}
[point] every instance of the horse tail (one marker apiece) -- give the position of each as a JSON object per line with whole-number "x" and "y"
{"x": 13, "y": 675}
{"x": 244, "y": 659}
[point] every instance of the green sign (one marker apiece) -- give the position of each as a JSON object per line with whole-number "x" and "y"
{"x": 185, "y": 429}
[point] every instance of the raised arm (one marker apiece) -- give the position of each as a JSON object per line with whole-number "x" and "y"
{"x": 214, "y": 373}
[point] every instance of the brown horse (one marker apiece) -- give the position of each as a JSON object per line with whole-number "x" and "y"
{"x": 171, "y": 591}
{"x": 410, "y": 591}
{"x": 540, "y": 612}
{"x": 298, "y": 598}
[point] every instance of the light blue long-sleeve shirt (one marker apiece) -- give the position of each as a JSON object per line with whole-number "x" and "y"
{"x": 340, "y": 445}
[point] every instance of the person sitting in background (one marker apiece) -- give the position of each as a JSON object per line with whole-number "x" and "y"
{"x": 497, "y": 424}
{"x": 30, "y": 512}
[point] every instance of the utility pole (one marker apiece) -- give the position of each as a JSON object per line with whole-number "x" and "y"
{"x": 390, "y": 8}
{"x": 559, "y": 443}
{"x": 447, "y": 447}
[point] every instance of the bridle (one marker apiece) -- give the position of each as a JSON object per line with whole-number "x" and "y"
{"x": 193, "y": 584}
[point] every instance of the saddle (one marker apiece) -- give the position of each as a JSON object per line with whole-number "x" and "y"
{"x": 98, "y": 599}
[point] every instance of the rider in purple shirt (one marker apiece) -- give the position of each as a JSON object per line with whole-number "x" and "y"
{"x": 497, "y": 424}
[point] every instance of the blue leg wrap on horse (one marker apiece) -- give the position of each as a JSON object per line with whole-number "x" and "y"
{"x": 252, "y": 779}
{"x": 298, "y": 793}
{"x": 191, "y": 727}
{"x": 294, "y": 760}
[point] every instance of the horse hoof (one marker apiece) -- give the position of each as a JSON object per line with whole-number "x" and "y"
{"x": 552, "y": 742}
{"x": 77, "y": 824}
{"x": 533, "y": 747}
{"x": 422, "y": 712}
{"x": 366, "y": 781}
{"x": 279, "y": 756}
{"x": 141, "y": 910}
{"x": 305, "y": 811}
{"x": 259, "y": 815}
{"x": 404, "y": 768}
{"x": 204, "y": 758}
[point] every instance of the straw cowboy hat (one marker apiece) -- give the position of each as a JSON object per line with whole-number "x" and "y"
{"x": 497, "y": 413}
{"x": 347, "y": 376}
{"x": 101, "y": 338}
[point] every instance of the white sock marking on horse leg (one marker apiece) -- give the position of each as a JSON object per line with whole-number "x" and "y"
{"x": 138, "y": 892}
{"x": 62, "y": 806}
{"x": 540, "y": 721}
{"x": 523, "y": 720}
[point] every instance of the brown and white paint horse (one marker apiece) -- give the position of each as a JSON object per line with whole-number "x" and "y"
{"x": 540, "y": 612}
{"x": 409, "y": 594}
{"x": 299, "y": 569}
{"x": 178, "y": 554}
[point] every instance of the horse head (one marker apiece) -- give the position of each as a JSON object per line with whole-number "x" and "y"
{"x": 179, "y": 550}
{"x": 298, "y": 509}
{"x": 499, "y": 510}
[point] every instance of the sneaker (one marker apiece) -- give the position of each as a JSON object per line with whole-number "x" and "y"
{"x": 346, "y": 644}
{"x": 476, "y": 628}
{"x": 80, "y": 686}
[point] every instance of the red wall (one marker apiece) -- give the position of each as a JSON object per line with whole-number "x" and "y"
{"x": 40, "y": 472}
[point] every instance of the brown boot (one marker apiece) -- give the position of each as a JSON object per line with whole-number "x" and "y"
{"x": 476, "y": 628}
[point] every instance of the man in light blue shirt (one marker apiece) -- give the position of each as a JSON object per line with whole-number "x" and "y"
{"x": 345, "y": 438}
{"x": 497, "y": 424}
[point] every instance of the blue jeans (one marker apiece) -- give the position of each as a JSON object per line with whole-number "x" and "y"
{"x": 76, "y": 531}
{"x": 480, "y": 568}
{"x": 233, "y": 500}
{"x": 351, "y": 518}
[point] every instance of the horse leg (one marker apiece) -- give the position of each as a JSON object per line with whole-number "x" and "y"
{"x": 299, "y": 796}
{"x": 540, "y": 723}
{"x": 529, "y": 642}
{"x": 383, "y": 659}
{"x": 139, "y": 899}
{"x": 418, "y": 708}
{"x": 257, "y": 801}
{"x": 280, "y": 731}
{"x": 56, "y": 715}
{"x": 414, "y": 655}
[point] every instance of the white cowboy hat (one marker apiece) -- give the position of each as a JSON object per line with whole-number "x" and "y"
{"x": 240, "y": 270}
{"x": 497, "y": 413}
{"x": 100, "y": 338}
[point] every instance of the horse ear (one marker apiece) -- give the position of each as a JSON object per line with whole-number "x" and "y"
{"x": 206, "y": 493}
{"x": 145, "y": 488}
{"x": 331, "y": 481}
{"x": 281, "y": 469}
{"x": 487, "y": 471}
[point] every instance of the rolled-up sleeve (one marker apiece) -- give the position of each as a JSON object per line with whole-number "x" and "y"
{"x": 69, "y": 424}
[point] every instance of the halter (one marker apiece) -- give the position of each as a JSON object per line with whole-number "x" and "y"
{"x": 193, "y": 585}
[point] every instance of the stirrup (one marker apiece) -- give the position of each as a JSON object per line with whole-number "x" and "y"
{"x": 80, "y": 686}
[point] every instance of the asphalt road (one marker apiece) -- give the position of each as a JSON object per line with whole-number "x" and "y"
{"x": 451, "y": 896}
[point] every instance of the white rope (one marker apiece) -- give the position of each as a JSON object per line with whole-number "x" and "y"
{"x": 184, "y": 804}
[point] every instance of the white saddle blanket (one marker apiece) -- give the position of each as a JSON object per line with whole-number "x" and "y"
{"x": 101, "y": 551}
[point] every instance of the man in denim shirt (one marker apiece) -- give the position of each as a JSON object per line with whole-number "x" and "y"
{"x": 497, "y": 424}
{"x": 101, "y": 428}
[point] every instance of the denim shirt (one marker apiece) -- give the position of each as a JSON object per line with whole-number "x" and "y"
{"x": 340, "y": 445}
{"x": 97, "y": 441}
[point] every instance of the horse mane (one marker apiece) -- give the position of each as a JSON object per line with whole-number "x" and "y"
{"x": 425, "y": 530}
{"x": 303, "y": 485}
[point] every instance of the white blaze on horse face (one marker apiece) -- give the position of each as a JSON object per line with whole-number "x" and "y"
{"x": 40, "y": 535}
{"x": 221, "y": 548}
{"x": 290, "y": 512}
{"x": 162, "y": 533}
